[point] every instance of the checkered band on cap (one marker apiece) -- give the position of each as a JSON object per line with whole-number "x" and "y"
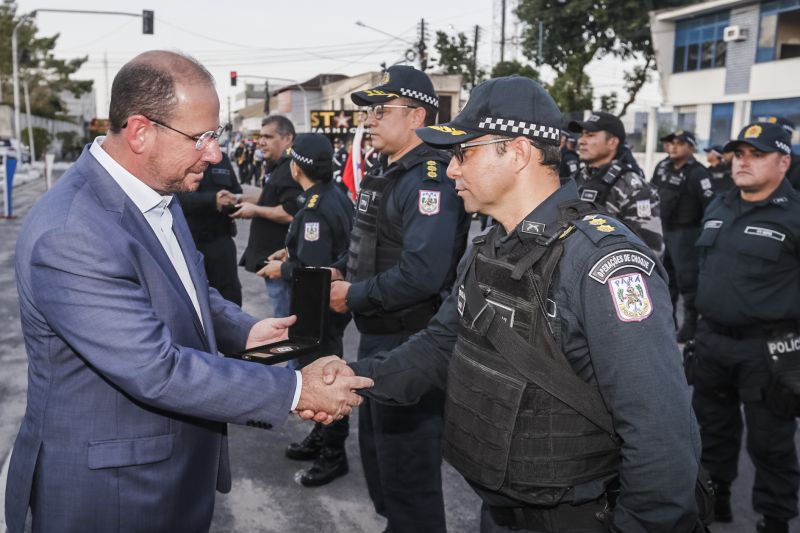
{"x": 519, "y": 127}
{"x": 428, "y": 99}
{"x": 301, "y": 158}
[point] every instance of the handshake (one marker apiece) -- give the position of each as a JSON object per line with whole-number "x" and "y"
{"x": 329, "y": 390}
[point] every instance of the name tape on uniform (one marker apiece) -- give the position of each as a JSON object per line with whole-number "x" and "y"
{"x": 764, "y": 232}
{"x": 619, "y": 259}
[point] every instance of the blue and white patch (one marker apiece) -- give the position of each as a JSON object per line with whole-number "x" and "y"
{"x": 311, "y": 231}
{"x": 609, "y": 264}
{"x": 765, "y": 232}
{"x": 430, "y": 202}
{"x": 643, "y": 209}
{"x": 631, "y": 298}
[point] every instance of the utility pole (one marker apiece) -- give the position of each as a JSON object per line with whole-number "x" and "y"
{"x": 502, "y": 33}
{"x": 475, "y": 56}
{"x": 422, "y": 53}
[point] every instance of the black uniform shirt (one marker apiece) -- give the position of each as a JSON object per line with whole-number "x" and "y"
{"x": 793, "y": 174}
{"x": 636, "y": 364}
{"x": 750, "y": 259}
{"x": 266, "y": 235}
{"x": 200, "y": 206}
{"x": 320, "y": 232}
{"x": 681, "y": 192}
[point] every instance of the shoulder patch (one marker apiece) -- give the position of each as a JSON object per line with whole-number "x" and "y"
{"x": 311, "y": 231}
{"x": 630, "y": 297}
{"x": 430, "y": 202}
{"x": 313, "y": 202}
{"x": 603, "y": 269}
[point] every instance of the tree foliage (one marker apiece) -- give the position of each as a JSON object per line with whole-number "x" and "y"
{"x": 47, "y": 76}
{"x": 579, "y": 31}
{"x": 457, "y": 56}
{"x": 507, "y": 68}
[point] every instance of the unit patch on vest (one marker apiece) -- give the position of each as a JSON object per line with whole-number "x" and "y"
{"x": 363, "y": 201}
{"x": 630, "y": 297}
{"x": 620, "y": 259}
{"x": 312, "y": 231}
{"x": 429, "y": 202}
{"x": 764, "y": 232}
{"x": 588, "y": 195}
{"x": 643, "y": 209}
{"x": 532, "y": 228}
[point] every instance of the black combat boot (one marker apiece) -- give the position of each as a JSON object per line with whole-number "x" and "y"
{"x": 722, "y": 502}
{"x": 331, "y": 463}
{"x": 770, "y": 524}
{"x": 308, "y": 449}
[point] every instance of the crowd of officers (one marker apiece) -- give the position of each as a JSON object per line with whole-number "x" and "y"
{"x": 542, "y": 360}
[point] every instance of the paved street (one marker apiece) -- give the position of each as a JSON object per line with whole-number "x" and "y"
{"x": 265, "y": 496}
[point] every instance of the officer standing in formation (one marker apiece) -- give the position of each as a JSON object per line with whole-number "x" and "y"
{"x": 570, "y": 162}
{"x": 273, "y": 209}
{"x": 749, "y": 301}
{"x": 615, "y": 185}
{"x": 793, "y": 174}
{"x": 206, "y": 212}
{"x": 318, "y": 236}
{"x": 567, "y": 406}
{"x": 409, "y": 232}
{"x": 719, "y": 171}
{"x": 679, "y": 180}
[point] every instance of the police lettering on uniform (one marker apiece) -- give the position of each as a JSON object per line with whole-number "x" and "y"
{"x": 681, "y": 182}
{"x": 409, "y": 232}
{"x": 747, "y": 338}
{"x": 614, "y": 183}
{"x": 567, "y": 409}
{"x": 318, "y": 237}
{"x": 207, "y": 211}
{"x": 719, "y": 172}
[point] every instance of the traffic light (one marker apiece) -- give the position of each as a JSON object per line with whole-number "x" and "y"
{"x": 233, "y": 78}
{"x": 147, "y": 22}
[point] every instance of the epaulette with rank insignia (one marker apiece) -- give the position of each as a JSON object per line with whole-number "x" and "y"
{"x": 596, "y": 227}
{"x": 313, "y": 202}
{"x": 431, "y": 170}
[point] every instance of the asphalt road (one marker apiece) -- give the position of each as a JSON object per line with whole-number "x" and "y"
{"x": 266, "y": 498}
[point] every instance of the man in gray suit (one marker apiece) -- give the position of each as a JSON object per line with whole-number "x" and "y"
{"x": 127, "y": 394}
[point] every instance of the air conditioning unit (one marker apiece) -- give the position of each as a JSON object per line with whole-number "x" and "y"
{"x": 734, "y": 33}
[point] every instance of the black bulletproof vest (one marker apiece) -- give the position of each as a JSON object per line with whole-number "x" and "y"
{"x": 677, "y": 206}
{"x": 596, "y": 188}
{"x": 502, "y": 431}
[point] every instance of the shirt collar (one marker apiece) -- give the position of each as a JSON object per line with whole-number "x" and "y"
{"x": 779, "y": 197}
{"x": 140, "y": 194}
{"x": 541, "y": 220}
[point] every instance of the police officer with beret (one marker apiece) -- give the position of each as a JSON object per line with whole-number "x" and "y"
{"x": 681, "y": 182}
{"x": 615, "y": 184}
{"x": 409, "y": 232}
{"x": 207, "y": 211}
{"x": 719, "y": 171}
{"x": 749, "y": 302}
{"x": 567, "y": 408}
{"x": 318, "y": 236}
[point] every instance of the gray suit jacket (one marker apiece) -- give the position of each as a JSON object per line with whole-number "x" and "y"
{"x": 127, "y": 396}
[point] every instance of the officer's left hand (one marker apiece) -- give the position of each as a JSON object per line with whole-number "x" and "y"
{"x": 272, "y": 270}
{"x": 269, "y": 330}
{"x": 246, "y": 210}
{"x": 338, "y": 296}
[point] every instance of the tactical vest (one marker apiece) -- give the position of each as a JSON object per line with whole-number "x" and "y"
{"x": 376, "y": 246}
{"x": 596, "y": 189}
{"x": 502, "y": 431}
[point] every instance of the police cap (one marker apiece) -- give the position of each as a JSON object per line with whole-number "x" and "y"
{"x": 312, "y": 151}
{"x": 600, "y": 121}
{"x": 511, "y": 106}
{"x": 783, "y": 122}
{"x": 399, "y": 81}
{"x": 681, "y": 135}
{"x": 716, "y": 149}
{"x": 764, "y": 137}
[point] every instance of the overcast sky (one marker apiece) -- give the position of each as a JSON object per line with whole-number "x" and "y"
{"x": 291, "y": 39}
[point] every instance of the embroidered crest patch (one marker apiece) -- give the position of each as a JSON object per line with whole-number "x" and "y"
{"x": 609, "y": 264}
{"x": 630, "y": 297}
{"x": 429, "y": 202}
{"x": 643, "y": 209}
{"x": 311, "y": 232}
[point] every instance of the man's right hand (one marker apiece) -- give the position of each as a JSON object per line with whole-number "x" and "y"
{"x": 326, "y": 400}
{"x": 225, "y": 198}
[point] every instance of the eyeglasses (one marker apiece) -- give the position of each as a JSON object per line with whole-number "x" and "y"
{"x": 457, "y": 150}
{"x": 377, "y": 110}
{"x": 200, "y": 141}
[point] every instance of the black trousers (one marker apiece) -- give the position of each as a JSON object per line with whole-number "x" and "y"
{"x": 219, "y": 258}
{"x": 401, "y": 451}
{"x": 726, "y": 366}
{"x": 681, "y": 263}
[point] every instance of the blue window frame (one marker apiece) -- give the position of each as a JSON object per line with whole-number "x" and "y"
{"x": 785, "y": 107}
{"x": 777, "y": 31}
{"x": 721, "y": 123}
{"x": 699, "y": 42}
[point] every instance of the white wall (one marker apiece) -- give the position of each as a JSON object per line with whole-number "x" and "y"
{"x": 698, "y": 87}
{"x": 775, "y": 79}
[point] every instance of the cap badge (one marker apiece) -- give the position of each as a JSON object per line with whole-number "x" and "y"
{"x": 593, "y": 118}
{"x": 753, "y": 132}
{"x": 448, "y": 129}
{"x": 772, "y": 120}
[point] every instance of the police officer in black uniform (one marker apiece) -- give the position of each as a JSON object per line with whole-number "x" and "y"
{"x": 409, "y": 232}
{"x": 570, "y": 161}
{"x": 318, "y": 236}
{"x": 207, "y": 211}
{"x": 679, "y": 180}
{"x": 719, "y": 172}
{"x": 749, "y": 301}
{"x": 567, "y": 408}
{"x": 793, "y": 174}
